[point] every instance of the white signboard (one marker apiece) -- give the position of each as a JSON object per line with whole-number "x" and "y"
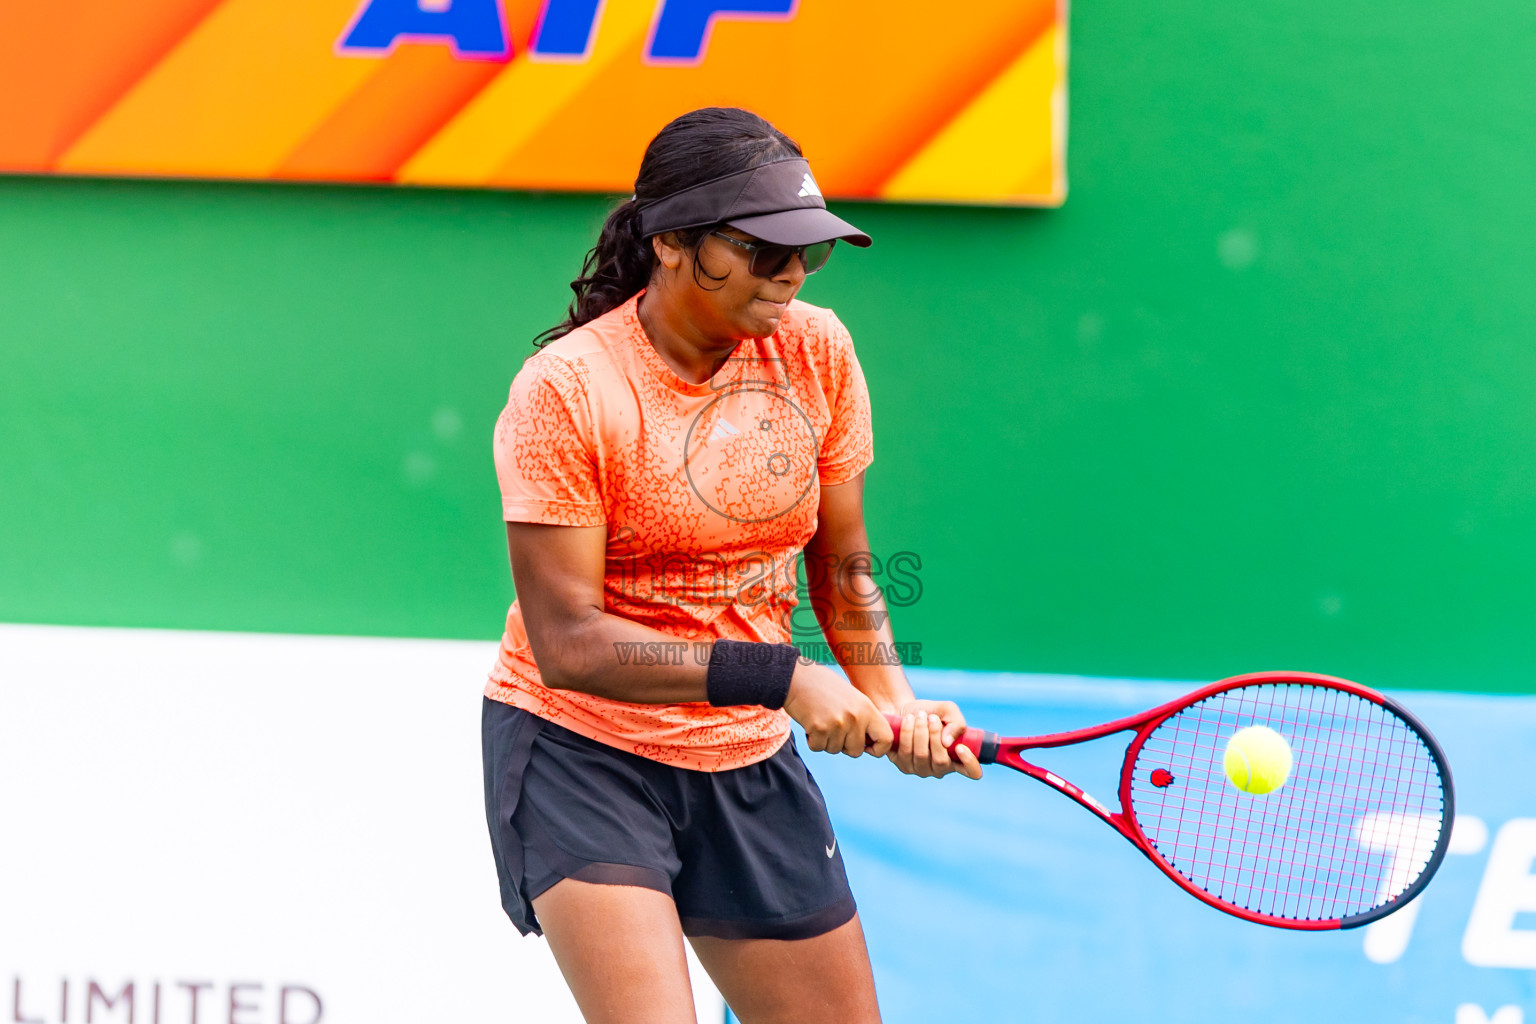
{"x": 212, "y": 828}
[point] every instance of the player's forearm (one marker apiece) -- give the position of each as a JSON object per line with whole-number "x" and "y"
{"x": 851, "y": 610}
{"x": 614, "y": 657}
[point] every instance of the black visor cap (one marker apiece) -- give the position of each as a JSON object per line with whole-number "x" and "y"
{"x": 778, "y": 202}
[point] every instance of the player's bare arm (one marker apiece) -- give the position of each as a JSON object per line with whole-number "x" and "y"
{"x": 840, "y": 580}
{"x": 558, "y": 573}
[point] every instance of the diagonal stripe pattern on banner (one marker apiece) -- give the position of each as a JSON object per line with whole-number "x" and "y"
{"x": 999, "y": 146}
{"x": 860, "y": 118}
{"x": 257, "y": 88}
{"x": 421, "y": 89}
{"x": 264, "y": 68}
{"x": 62, "y": 64}
{"x": 476, "y": 143}
{"x": 416, "y": 91}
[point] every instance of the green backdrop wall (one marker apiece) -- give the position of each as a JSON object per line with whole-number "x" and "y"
{"x": 1260, "y": 395}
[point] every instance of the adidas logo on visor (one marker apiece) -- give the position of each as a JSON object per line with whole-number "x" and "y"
{"x": 808, "y": 186}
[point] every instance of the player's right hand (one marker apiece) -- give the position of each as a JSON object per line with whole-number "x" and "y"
{"x": 836, "y": 717}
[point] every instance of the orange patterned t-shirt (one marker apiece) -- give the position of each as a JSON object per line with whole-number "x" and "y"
{"x": 708, "y": 492}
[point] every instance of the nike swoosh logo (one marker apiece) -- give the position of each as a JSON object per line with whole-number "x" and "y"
{"x": 831, "y": 849}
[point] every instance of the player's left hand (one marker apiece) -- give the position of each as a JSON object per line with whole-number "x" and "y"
{"x": 928, "y": 727}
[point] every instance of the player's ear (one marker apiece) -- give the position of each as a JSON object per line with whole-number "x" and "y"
{"x": 668, "y": 249}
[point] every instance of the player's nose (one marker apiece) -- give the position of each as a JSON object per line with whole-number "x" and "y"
{"x": 793, "y": 273}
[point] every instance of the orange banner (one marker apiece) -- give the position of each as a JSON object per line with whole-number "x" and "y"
{"x": 899, "y": 100}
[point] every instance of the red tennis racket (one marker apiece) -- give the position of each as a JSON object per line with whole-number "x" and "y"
{"x": 1358, "y": 828}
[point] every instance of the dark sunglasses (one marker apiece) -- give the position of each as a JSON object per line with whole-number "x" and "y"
{"x": 769, "y": 260}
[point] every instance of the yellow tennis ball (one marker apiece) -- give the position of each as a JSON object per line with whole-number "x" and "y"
{"x": 1258, "y": 760}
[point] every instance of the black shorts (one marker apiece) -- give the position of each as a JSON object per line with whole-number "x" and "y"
{"x": 744, "y": 853}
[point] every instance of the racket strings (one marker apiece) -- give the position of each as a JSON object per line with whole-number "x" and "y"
{"x": 1352, "y": 828}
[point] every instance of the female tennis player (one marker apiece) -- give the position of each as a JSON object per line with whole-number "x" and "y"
{"x": 686, "y": 432}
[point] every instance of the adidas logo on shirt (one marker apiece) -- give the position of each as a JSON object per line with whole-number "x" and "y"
{"x": 808, "y": 186}
{"x": 723, "y": 429}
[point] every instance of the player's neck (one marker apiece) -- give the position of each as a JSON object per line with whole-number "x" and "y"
{"x": 690, "y": 353}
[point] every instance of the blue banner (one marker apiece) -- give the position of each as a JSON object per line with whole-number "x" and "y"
{"x": 1005, "y": 898}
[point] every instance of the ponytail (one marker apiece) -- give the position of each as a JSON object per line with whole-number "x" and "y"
{"x": 618, "y": 266}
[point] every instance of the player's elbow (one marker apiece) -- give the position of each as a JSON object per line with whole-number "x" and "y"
{"x": 559, "y": 676}
{"x": 558, "y": 669}
{"x": 566, "y": 657}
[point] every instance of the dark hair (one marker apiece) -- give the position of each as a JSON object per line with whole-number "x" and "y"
{"x": 699, "y": 146}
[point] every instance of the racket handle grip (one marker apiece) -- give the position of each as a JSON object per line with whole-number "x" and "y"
{"x": 981, "y": 743}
